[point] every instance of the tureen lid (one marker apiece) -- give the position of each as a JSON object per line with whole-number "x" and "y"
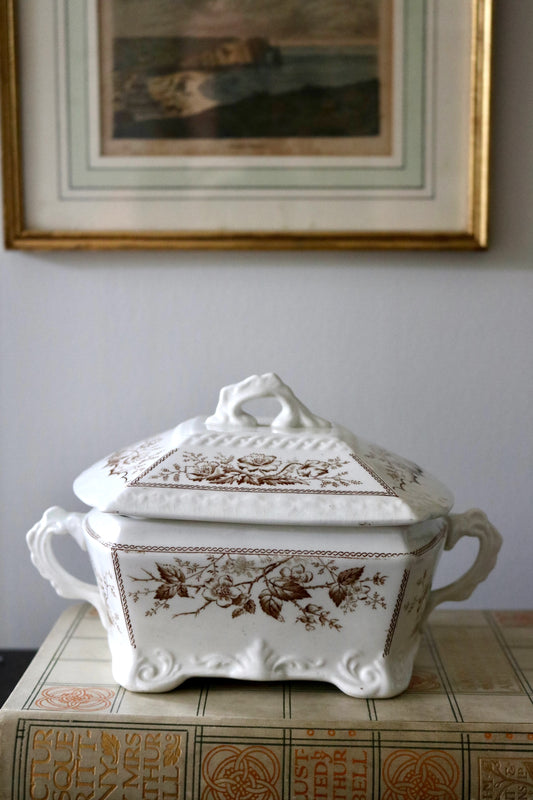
{"x": 298, "y": 469}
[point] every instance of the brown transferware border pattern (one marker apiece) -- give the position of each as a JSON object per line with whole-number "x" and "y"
{"x": 396, "y": 612}
{"x": 258, "y": 550}
{"x": 224, "y": 476}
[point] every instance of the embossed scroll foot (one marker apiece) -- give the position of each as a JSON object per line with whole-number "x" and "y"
{"x": 379, "y": 678}
{"x": 156, "y": 671}
{"x": 356, "y": 675}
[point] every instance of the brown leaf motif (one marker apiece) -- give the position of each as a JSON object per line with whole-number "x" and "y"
{"x": 289, "y": 589}
{"x": 110, "y": 746}
{"x": 271, "y": 605}
{"x": 249, "y": 606}
{"x": 173, "y": 583}
{"x": 338, "y": 593}
{"x": 350, "y": 576}
{"x": 172, "y": 751}
{"x": 278, "y": 587}
{"x": 166, "y": 591}
{"x": 170, "y": 574}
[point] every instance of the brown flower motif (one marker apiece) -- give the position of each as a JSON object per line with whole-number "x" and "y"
{"x": 297, "y": 573}
{"x": 313, "y": 469}
{"x": 255, "y": 461}
{"x": 273, "y": 587}
{"x": 121, "y": 461}
{"x": 206, "y": 471}
{"x": 222, "y": 592}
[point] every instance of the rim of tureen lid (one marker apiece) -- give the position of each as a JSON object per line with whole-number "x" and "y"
{"x": 300, "y": 469}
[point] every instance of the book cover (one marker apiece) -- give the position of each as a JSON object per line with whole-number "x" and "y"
{"x": 464, "y": 729}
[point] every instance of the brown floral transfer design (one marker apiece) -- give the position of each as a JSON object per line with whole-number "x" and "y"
{"x": 106, "y": 584}
{"x": 244, "y": 585}
{"x": 122, "y": 462}
{"x": 423, "y": 589}
{"x": 256, "y": 470}
{"x": 400, "y": 472}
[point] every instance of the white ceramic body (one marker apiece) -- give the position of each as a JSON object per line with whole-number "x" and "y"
{"x": 262, "y": 602}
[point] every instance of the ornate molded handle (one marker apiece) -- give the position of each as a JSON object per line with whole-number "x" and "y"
{"x": 57, "y": 521}
{"x": 471, "y": 523}
{"x": 293, "y": 414}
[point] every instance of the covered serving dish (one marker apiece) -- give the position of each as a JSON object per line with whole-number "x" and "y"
{"x": 265, "y": 551}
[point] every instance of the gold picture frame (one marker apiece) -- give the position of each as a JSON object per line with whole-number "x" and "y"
{"x": 62, "y": 191}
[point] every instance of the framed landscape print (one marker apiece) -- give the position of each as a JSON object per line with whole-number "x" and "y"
{"x": 245, "y": 123}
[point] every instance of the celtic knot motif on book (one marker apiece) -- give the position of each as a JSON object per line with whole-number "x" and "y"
{"x": 411, "y": 775}
{"x": 229, "y": 772}
{"x": 74, "y": 698}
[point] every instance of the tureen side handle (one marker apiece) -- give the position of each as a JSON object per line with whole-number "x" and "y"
{"x": 57, "y": 521}
{"x": 470, "y": 523}
{"x": 293, "y": 414}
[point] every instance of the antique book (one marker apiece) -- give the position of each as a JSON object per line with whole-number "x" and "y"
{"x": 464, "y": 728}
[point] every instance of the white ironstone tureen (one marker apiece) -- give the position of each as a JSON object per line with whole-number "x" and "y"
{"x": 290, "y": 550}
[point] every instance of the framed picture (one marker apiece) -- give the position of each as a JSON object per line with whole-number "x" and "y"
{"x": 262, "y": 124}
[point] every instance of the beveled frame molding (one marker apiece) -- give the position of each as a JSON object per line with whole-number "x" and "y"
{"x": 18, "y": 234}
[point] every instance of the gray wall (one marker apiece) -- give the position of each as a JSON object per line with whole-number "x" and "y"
{"x": 429, "y": 354}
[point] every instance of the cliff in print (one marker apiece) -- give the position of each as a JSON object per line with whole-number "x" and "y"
{"x": 246, "y": 76}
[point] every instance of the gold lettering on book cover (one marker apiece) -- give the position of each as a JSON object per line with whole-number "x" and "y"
{"x": 506, "y": 778}
{"x": 84, "y": 763}
{"x": 329, "y": 773}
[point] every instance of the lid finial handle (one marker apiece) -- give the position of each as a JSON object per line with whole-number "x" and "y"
{"x": 293, "y": 414}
